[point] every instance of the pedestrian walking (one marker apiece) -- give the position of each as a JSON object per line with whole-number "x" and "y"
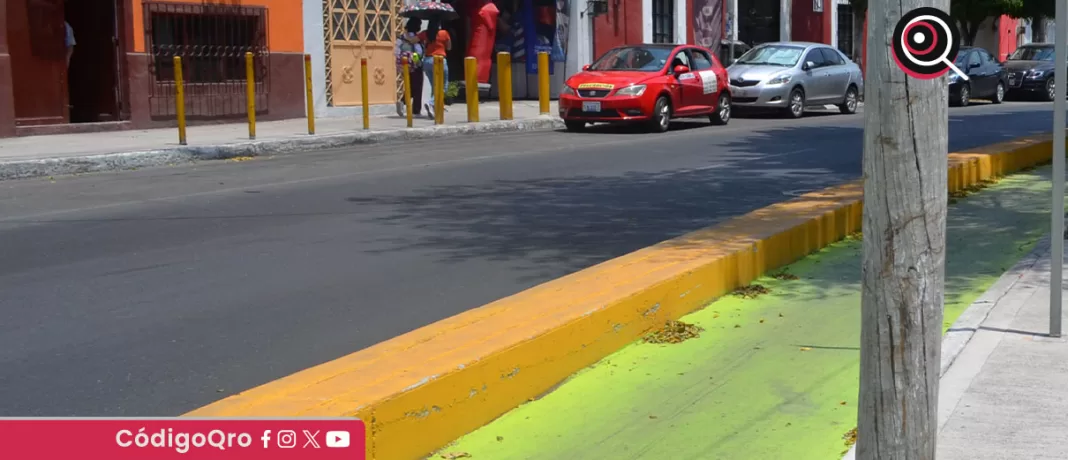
{"x": 409, "y": 47}
{"x": 69, "y": 41}
{"x": 436, "y": 42}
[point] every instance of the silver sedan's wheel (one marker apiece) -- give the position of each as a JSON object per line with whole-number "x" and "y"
{"x": 797, "y": 103}
{"x": 849, "y": 105}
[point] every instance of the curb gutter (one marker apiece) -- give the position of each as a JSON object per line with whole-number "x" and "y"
{"x": 422, "y": 390}
{"x": 23, "y": 169}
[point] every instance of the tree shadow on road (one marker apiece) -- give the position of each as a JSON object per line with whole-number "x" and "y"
{"x": 551, "y": 227}
{"x": 554, "y": 226}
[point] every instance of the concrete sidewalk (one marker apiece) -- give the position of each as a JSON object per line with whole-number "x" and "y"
{"x": 1005, "y": 395}
{"x": 31, "y": 156}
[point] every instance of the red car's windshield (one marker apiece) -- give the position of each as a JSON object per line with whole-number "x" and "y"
{"x": 633, "y": 59}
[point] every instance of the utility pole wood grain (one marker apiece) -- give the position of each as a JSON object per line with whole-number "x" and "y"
{"x": 903, "y": 269}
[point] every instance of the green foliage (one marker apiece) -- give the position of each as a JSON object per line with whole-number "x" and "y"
{"x": 1034, "y": 9}
{"x": 970, "y": 13}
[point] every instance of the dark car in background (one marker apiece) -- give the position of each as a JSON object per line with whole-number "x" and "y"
{"x": 1030, "y": 70}
{"x": 987, "y": 78}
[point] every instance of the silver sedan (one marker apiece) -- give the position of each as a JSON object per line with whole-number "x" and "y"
{"x": 793, "y": 75}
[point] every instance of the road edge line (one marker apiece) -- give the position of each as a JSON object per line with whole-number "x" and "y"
{"x": 422, "y": 390}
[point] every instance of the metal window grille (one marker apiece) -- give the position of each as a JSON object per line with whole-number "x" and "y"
{"x": 845, "y": 29}
{"x": 212, "y": 41}
{"x": 663, "y": 21}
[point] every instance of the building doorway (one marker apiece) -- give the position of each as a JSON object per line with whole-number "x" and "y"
{"x": 49, "y": 89}
{"x": 758, "y": 21}
{"x": 93, "y": 82}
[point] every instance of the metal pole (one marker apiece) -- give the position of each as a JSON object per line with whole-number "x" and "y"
{"x": 363, "y": 94}
{"x": 543, "y": 82}
{"x": 504, "y": 84}
{"x": 250, "y": 95}
{"x": 308, "y": 96}
{"x": 406, "y": 70}
{"x": 734, "y": 30}
{"x": 471, "y": 86}
{"x": 179, "y": 99}
{"x": 1057, "y": 212}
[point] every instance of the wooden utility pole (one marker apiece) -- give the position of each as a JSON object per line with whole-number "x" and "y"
{"x": 903, "y": 269}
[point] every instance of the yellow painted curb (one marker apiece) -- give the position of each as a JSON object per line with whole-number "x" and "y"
{"x": 422, "y": 390}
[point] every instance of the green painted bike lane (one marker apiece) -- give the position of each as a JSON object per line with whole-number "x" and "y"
{"x": 772, "y": 377}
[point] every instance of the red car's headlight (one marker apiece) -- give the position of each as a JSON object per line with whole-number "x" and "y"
{"x": 568, "y": 90}
{"x": 632, "y": 90}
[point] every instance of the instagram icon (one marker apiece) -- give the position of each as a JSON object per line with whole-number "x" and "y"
{"x": 287, "y": 439}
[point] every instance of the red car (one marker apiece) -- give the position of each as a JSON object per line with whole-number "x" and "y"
{"x": 649, "y": 84}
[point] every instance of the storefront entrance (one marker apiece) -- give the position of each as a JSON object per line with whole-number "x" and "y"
{"x": 758, "y": 21}
{"x": 50, "y": 88}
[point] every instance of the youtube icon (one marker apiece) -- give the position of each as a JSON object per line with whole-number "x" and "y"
{"x": 337, "y": 439}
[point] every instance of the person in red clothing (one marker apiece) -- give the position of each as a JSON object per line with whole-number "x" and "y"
{"x": 482, "y": 31}
{"x": 436, "y": 42}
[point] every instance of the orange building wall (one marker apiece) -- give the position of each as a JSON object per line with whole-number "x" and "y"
{"x": 285, "y": 26}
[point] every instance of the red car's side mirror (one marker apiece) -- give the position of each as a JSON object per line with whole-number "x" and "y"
{"x": 585, "y": 67}
{"x": 681, "y": 69}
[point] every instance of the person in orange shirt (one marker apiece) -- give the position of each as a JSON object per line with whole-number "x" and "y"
{"x": 436, "y": 42}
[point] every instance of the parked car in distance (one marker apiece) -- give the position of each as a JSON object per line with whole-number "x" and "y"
{"x": 987, "y": 78}
{"x": 647, "y": 84}
{"x": 1030, "y": 71}
{"x": 790, "y": 76}
{"x": 740, "y": 48}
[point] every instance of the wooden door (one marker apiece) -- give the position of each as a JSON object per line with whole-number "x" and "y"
{"x": 362, "y": 29}
{"x": 36, "y": 41}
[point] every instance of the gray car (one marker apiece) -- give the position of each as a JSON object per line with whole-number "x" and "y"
{"x": 793, "y": 75}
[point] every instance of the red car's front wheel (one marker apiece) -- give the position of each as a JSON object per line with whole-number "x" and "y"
{"x": 661, "y": 119}
{"x": 722, "y": 114}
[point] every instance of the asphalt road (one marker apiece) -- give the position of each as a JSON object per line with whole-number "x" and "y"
{"x": 154, "y": 292}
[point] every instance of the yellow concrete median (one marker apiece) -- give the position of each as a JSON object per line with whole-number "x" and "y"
{"x": 421, "y": 390}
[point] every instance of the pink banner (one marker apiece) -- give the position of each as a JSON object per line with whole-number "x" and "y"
{"x": 185, "y": 438}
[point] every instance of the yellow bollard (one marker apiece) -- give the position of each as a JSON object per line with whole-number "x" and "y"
{"x": 543, "y": 82}
{"x": 363, "y": 94}
{"x": 179, "y": 99}
{"x": 250, "y": 95}
{"x": 471, "y": 83}
{"x": 504, "y": 84}
{"x": 439, "y": 90}
{"x": 406, "y": 69}
{"x": 308, "y": 93}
